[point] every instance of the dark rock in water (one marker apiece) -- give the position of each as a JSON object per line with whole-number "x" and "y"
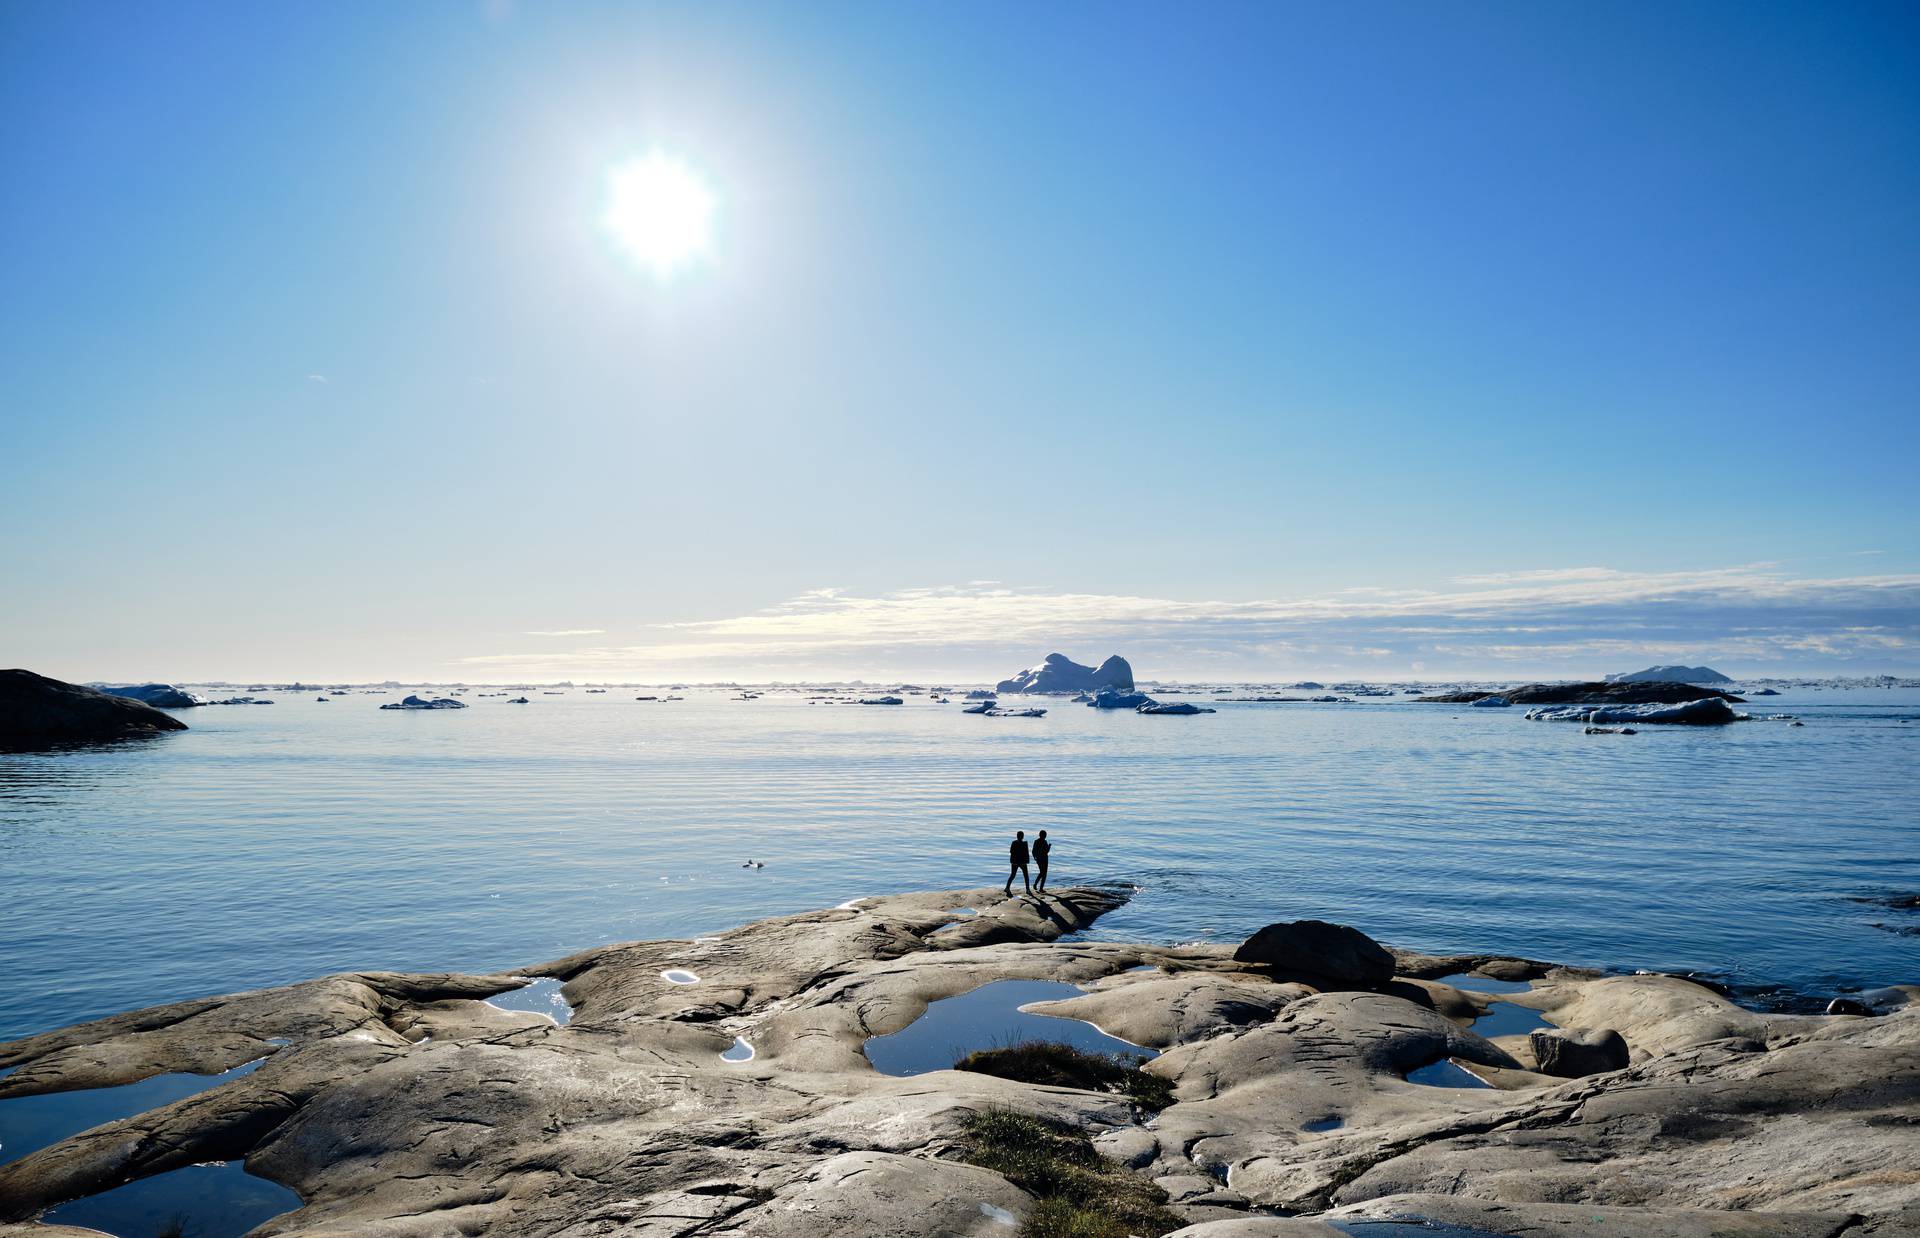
{"x": 1571, "y": 1052}
{"x": 518, "y": 700}
{"x": 1110, "y": 698}
{"x": 414, "y": 702}
{"x": 158, "y": 695}
{"x": 985, "y": 706}
{"x": 979, "y": 694}
{"x": 1671, "y": 674}
{"x": 1846, "y": 1005}
{"x": 1344, "y": 955}
{"x": 1764, "y": 692}
{"x": 880, "y": 700}
{"x": 1176, "y": 707}
{"x": 36, "y": 711}
{"x": 1060, "y": 674}
{"x": 1621, "y": 693}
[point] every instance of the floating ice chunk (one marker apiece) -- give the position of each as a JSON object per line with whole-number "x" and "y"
{"x": 1710, "y": 711}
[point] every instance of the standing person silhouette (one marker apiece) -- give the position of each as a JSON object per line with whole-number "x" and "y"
{"x": 1017, "y": 860}
{"x": 1041, "y": 847}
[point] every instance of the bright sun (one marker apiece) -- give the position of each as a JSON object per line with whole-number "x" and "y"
{"x": 660, "y": 212}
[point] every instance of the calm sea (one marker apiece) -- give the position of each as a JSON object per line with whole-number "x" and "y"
{"x": 273, "y": 843}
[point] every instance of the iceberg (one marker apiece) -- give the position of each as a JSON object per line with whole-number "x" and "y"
{"x": 1710, "y": 711}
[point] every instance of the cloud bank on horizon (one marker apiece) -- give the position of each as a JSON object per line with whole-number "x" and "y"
{"x": 1755, "y": 619}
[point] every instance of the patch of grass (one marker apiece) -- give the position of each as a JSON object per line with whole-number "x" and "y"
{"x": 1081, "y": 1194}
{"x": 1059, "y": 1065}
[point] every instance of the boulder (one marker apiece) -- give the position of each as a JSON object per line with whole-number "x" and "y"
{"x": 158, "y": 695}
{"x": 1060, "y": 674}
{"x": 1346, "y": 956}
{"x": 1571, "y": 1052}
{"x": 1846, "y": 1005}
{"x": 36, "y": 711}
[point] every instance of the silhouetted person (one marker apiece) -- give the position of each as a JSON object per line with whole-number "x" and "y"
{"x": 1040, "y": 849}
{"x": 1017, "y": 858}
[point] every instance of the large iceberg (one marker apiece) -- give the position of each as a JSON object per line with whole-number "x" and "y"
{"x": 1712, "y": 711}
{"x": 1671, "y": 674}
{"x": 158, "y": 695}
{"x": 1063, "y": 675}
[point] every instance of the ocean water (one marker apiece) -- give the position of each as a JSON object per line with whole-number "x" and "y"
{"x": 273, "y": 843}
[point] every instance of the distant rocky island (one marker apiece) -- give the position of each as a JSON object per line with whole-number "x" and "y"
{"x": 1061, "y": 675}
{"x": 1607, "y": 692}
{"x": 1307, "y": 1083}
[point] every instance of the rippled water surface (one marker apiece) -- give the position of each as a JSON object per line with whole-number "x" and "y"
{"x": 273, "y": 843}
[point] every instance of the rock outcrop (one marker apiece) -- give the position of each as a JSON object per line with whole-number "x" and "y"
{"x": 158, "y": 695}
{"x": 1571, "y": 1052}
{"x": 1671, "y": 674}
{"x": 1584, "y": 694}
{"x": 1061, "y": 675}
{"x": 1344, "y": 956}
{"x": 36, "y": 711}
{"x": 401, "y": 1104}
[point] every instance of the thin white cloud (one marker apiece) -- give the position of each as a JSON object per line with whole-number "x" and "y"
{"x": 1582, "y": 620}
{"x": 570, "y": 632}
{"x": 316, "y": 378}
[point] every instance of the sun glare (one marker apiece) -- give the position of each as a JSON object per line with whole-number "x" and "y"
{"x": 659, "y": 212}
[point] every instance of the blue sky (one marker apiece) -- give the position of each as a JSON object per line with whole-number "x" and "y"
{"x": 1261, "y": 339}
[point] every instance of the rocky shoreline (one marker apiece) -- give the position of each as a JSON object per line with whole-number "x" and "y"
{"x": 406, "y": 1104}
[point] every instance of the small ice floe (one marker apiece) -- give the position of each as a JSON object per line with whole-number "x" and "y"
{"x": 540, "y": 996}
{"x": 679, "y": 975}
{"x": 740, "y": 1052}
{"x": 998, "y": 1215}
{"x": 880, "y": 700}
{"x": 1611, "y": 730}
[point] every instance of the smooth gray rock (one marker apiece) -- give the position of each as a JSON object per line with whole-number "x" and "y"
{"x": 36, "y": 711}
{"x": 1334, "y": 952}
{"x": 1574, "y": 1052}
{"x": 1061, "y": 674}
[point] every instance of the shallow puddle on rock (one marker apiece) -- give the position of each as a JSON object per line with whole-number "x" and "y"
{"x": 29, "y": 1123}
{"x": 989, "y": 1017}
{"x": 1323, "y": 1124}
{"x": 1482, "y": 984}
{"x": 679, "y": 975}
{"x": 219, "y": 1200}
{"x": 1444, "y": 1074}
{"x": 542, "y": 996}
{"x": 740, "y": 1052}
{"x": 1507, "y": 1019}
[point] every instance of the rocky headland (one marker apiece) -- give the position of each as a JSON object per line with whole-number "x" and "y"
{"x": 406, "y": 1104}
{"x": 36, "y": 712}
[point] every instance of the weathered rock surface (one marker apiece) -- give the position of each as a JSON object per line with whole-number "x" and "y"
{"x": 1061, "y": 674}
{"x": 36, "y": 711}
{"x": 406, "y": 1105}
{"x": 1341, "y": 955}
{"x": 1608, "y": 693}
